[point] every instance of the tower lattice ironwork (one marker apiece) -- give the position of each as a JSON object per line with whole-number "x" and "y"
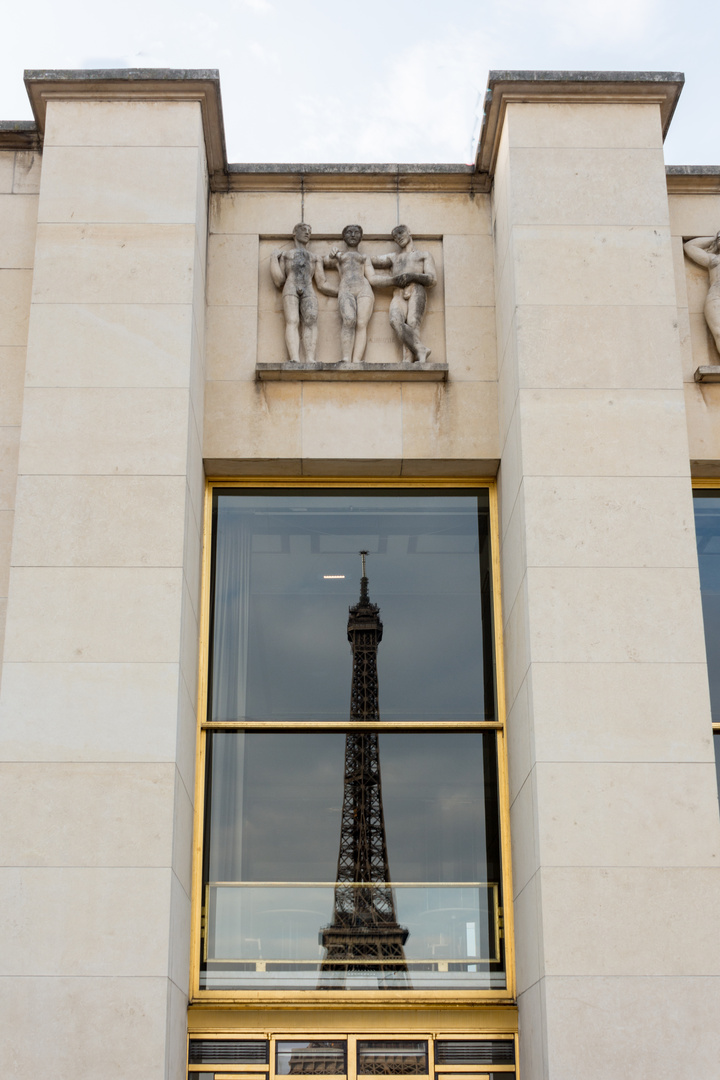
{"x": 364, "y": 935}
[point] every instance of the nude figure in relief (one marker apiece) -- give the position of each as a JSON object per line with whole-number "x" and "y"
{"x": 293, "y": 270}
{"x": 705, "y": 251}
{"x": 355, "y": 295}
{"x": 411, "y": 273}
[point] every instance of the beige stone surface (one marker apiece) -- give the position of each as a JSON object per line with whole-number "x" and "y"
{"x": 533, "y": 1044}
{"x": 123, "y": 123}
{"x": 572, "y": 125}
{"x": 179, "y": 951}
{"x": 120, "y": 345}
{"x": 694, "y": 215}
{"x": 96, "y": 615}
{"x": 181, "y": 811}
{"x": 622, "y": 913}
{"x": 87, "y": 814}
{"x": 7, "y": 518}
{"x": 344, "y": 420}
{"x": 609, "y": 521}
{"x": 469, "y": 271}
{"x": 659, "y": 805}
{"x": 510, "y": 473}
{"x": 615, "y": 615}
{"x": 516, "y": 645}
{"x": 600, "y": 1024}
{"x": 80, "y": 712}
{"x": 15, "y": 290}
{"x": 18, "y": 221}
{"x": 100, "y": 521}
{"x": 85, "y": 1021}
{"x": 528, "y": 934}
{"x": 471, "y": 349}
{"x": 118, "y": 264}
{"x": 376, "y": 211}
{"x": 702, "y": 404}
{"x": 9, "y": 447}
{"x": 114, "y": 184}
{"x": 604, "y": 264}
{"x": 524, "y": 829}
{"x": 437, "y": 213}
{"x": 594, "y": 346}
{"x": 104, "y": 431}
{"x": 621, "y": 712}
{"x": 232, "y": 342}
{"x": 259, "y": 212}
{"x": 679, "y": 264}
{"x": 520, "y": 738}
{"x": 588, "y": 186}
{"x": 513, "y": 552}
{"x": 7, "y": 168}
{"x": 12, "y": 379}
{"x": 102, "y": 921}
{"x": 604, "y": 432}
{"x": 28, "y": 170}
{"x": 189, "y": 637}
{"x": 450, "y": 421}
{"x": 253, "y": 420}
{"x": 232, "y": 272}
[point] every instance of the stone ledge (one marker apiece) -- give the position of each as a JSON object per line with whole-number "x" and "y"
{"x": 352, "y": 372}
{"x": 708, "y": 373}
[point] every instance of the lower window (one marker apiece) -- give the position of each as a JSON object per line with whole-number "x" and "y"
{"x": 280, "y": 910}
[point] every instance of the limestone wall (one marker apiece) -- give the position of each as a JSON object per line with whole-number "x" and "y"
{"x": 334, "y": 427}
{"x": 19, "y": 186}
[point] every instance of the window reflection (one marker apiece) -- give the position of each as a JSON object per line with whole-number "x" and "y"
{"x": 286, "y": 573}
{"x": 302, "y": 829}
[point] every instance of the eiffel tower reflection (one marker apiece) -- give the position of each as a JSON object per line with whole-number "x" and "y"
{"x": 364, "y": 935}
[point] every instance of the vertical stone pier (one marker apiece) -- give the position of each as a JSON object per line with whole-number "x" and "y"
{"x": 100, "y": 675}
{"x": 614, "y": 807}
{"x": 615, "y": 829}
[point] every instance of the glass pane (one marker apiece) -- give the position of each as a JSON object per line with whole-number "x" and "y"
{"x": 315, "y": 1058}
{"x": 287, "y": 569}
{"x": 392, "y": 1058}
{"x": 278, "y": 914}
{"x": 707, "y": 528}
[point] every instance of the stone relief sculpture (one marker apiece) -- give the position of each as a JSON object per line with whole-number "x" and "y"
{"x": 705, "y": 251}
{"x": 293, "y": 270}
{"x": 412, "y": 272}
{"x": 298, "y": 270}
{"x": 355, "y": 296}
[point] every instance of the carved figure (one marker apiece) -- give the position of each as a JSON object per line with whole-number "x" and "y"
{"x": 705, "y": 251}
{"x": 412, "y": 272}
{"x": 355, "y": 296}
{"x": 293, "y": 270}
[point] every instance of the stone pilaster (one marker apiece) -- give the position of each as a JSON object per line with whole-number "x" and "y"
{"x": 100, "y": 672}
{"x": 614, "y": 816}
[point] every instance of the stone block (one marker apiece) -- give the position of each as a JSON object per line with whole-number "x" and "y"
{"x": 12, "y": 381}
{"x": 253, "y": 420}
{"x": 18, "y": 221}
{"x": 114, "y": 264}
{"x": 454, "y": 421}
{"x": 116, "y": 184}
{"x": 105, "y": 431}
{"x": 260, "y": 212}
{"x": 123, "y": 123}
{"x": 438, "y": 213}
{"x": 15, "y": 292}
{"x": 343, "y": 420}
{"x": 589, "y": 124}
{"x": 94, "y": 615}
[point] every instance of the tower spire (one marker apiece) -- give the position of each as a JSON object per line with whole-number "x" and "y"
{"x": 364, "y": 935}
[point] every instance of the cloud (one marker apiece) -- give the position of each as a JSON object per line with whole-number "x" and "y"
{"x": 258, "y": 5}
{"x": 429, "y": 96}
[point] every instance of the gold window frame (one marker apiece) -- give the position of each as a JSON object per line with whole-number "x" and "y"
{"x": 352, "y": 1035}
{"x": 333, "y": 999}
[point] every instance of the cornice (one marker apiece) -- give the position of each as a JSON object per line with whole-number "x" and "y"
{"x": 146, "y": 84}
{"x": 693, "y": 179}
{"x": 583, "y": 87}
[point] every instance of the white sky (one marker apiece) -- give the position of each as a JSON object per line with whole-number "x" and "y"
{"x": 375, "y": 80}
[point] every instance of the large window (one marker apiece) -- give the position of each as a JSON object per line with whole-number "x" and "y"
{"x": 707, "y": 529}
{"x": 352, "y": 746}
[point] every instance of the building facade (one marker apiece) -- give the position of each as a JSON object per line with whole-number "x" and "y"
{"x": 202, "y": 684}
